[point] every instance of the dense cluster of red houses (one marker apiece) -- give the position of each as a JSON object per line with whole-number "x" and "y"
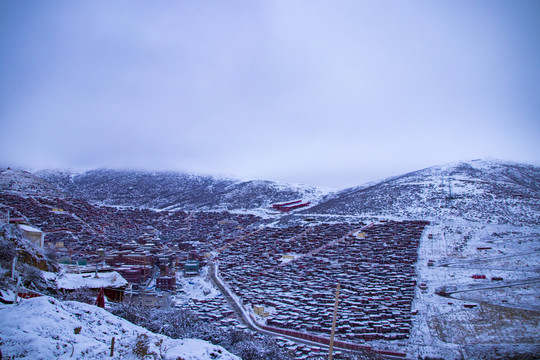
{"x": 375, "y": 270}
{"x": 130, "y": 241}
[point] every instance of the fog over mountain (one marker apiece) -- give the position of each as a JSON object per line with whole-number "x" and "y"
{"x": 478, "y": 190}
{"x": 172, "y": 190}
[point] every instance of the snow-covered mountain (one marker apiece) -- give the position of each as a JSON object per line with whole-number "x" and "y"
{"x": 478, "y": 190}
{"x": 171, "y": 190}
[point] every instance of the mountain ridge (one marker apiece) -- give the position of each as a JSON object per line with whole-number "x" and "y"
{"x": 175, "y": 191}
{"x": 477, "y": 190}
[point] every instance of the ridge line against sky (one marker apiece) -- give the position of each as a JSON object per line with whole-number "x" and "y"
{"x": 323, "y": 93}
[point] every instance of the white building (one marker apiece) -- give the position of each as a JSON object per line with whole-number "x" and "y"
{"x": 33, "y": 234}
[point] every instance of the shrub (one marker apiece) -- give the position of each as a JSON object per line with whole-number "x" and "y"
{"x": 7, "y": 252}
{"x": 142, "y": 346}
{"x": 181, "y": 324}
{"x": 83, "y": 294}
{"x": 31, "y": 275}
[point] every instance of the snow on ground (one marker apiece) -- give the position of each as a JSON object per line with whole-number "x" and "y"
{"x": 76, "y": 281}
{"x": 46, "y": 328}
{"x": 25, "y": 183}
{"x": 503, "y": 315}
{"x": 197, "y": 287}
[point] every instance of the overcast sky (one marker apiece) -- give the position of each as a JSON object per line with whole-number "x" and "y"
{"x": 329, "y": 93}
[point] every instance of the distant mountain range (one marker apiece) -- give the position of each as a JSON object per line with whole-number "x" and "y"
{"x": 171, "y": 190}
{"x": 478, "y": 190}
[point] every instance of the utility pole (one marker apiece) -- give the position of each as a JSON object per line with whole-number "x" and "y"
{"x": 16, "y": 299}
{"x": 334, "y": 324}
{"x": 13, "y": 267}
{"x": 449, "y": 197}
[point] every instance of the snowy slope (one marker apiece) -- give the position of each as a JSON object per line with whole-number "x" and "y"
{"x": 171, "y": 190}
{"x": 481, "y": 190}
{"x": 503, "y": 322}
{"x": 45, "y": 328}
{"x": 23, "y": 182}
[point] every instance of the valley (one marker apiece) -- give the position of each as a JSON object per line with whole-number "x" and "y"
{"x": 432, "y": 272}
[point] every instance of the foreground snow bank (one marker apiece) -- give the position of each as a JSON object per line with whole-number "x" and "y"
{"x": 46, "y": 328}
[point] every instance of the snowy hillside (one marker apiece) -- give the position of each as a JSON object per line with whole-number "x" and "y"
{"x": 160, "y": 190}
{"x": 478, "y": 190}
{"x": 23, "y": 182}
{"x": 490, "y": 191}
{"x": 262, "y": 194}
{"x": 487, "y": 275}
{"x": 46, "y": 328}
